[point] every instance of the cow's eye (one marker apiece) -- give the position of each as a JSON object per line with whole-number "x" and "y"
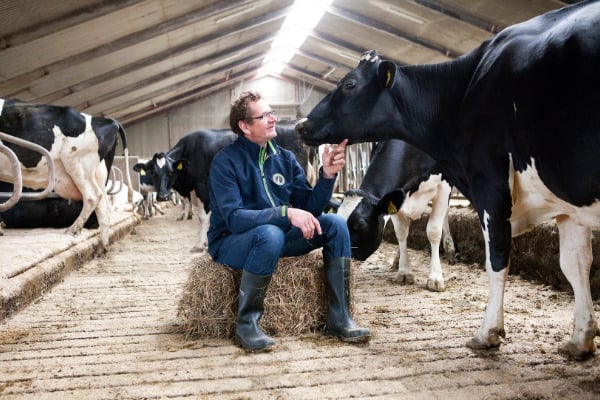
{"x": 349, "y": 85}
{"x": 360, "y": 225}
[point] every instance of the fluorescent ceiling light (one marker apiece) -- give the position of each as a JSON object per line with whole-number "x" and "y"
{"x": 303, "y": 18}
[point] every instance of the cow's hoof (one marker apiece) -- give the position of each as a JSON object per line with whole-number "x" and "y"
{"x": 197, "y": 249}
{"x": 493, "y": 341}
{"x": 73, "y": 231}
{"x": 573, "y": 352}
{"x": 435, "y": 285}
{"x": 100, "y": 251}
{"x": 404, "y": 279}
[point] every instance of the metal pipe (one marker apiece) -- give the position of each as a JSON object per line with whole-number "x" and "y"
{"x": 18, "y": 183}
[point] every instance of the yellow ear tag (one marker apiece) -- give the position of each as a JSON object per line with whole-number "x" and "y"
{"x": 179, "y": 166}
{"x": 389, "y": 78}
{"x": 142, "y": 172}
{"x": 392, "y": 208}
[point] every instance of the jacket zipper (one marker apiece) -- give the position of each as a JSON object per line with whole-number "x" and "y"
{"x": 261, "y": 160}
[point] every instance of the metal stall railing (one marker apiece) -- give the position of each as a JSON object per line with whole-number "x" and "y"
{"x": 17, "y": 193}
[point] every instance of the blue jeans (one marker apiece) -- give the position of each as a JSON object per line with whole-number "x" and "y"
{"x": 259, "y": 249}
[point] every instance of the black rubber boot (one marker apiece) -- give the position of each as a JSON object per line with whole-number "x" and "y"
{"x": 248, "y": 334}
{"x": 339, "y": 321}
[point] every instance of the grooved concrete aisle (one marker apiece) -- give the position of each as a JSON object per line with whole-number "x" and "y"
{"x": 107, "y": 332}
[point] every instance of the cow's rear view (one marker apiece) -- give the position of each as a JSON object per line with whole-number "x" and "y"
{"x": 82, "y": 148}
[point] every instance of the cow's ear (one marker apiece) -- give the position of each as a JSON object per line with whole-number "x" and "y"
{"x": 387, "y": 73}
{"x": 390, "y": 203}
{"x": 139, "y": 167}
{"x": 180, "y": 165}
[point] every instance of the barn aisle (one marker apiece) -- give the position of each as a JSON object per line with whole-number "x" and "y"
{"x": 108, "y": 332}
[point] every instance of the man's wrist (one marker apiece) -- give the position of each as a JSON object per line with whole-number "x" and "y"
{"x": 328, "y": 176}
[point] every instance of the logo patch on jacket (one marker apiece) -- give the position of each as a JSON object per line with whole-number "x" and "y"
{"x": 278, "y": 179}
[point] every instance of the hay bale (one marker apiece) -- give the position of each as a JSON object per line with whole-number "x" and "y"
{"x": 296, "y": 301}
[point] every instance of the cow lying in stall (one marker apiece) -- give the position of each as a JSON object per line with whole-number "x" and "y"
{"x": 82, "y": 148}
{"x": 56, "y": 212}
{"x": 396, "y": 165}
{"x": 514, "y": 125}
{"x": 184, "y": 168}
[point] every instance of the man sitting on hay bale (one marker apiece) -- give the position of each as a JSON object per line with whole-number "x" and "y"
{"x": 263, "y": 208}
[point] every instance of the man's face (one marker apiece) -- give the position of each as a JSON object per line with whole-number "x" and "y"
{"x": 259, "y": 130}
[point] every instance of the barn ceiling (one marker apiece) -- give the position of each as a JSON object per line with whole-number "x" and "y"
{"x": 131, "y": 59}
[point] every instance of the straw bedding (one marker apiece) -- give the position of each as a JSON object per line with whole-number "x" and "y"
{"x": 296, "y": 300}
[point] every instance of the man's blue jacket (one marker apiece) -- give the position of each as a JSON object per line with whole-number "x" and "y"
{"x": 250, "y": 185}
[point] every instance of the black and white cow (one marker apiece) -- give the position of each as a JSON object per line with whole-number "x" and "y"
{"x": 82, "y": 148}
{"x": 185, "y": 167}
{"x": 396, "y": 165}
{"x": 147, "y": 204}
{"x": 514, "y": 125}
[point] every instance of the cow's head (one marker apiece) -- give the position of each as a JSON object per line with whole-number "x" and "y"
{"x": 164, "y": 172}
{"x": 361, "y": 107}
{"x": 364, "y": 225}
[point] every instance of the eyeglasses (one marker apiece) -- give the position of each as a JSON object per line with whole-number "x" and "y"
{"x": 264, "y": 116}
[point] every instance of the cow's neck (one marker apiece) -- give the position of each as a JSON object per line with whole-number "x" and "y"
{"x": 429, "y": 97}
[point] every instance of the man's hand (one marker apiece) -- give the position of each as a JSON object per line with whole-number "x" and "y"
{"x": 304, "y": 220}
{"x": 334, "y": 160}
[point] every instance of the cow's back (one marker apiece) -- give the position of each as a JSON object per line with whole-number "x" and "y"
{"x": 35, "y": 123}
{"x": 540, "y": 79}
{"x": 396, "y": 164}
{"x": 199, "y": 149}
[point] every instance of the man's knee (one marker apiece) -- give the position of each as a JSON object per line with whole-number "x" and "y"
{"x": 270, "y": 239}
{"x": 333, "y": 223}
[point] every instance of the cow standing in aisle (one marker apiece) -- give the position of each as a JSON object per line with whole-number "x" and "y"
{"x": 185, "y": 167}
{"x": 396, "y": 165}
{"x": 82, "y": 148}
{"x": 147, "y": 203}
{"x": 514, "y": 125}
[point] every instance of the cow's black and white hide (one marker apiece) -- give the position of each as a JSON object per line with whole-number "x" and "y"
{"x": 514, "y": 126}
{"x": 396, "y": 165}
{"x": 82, "y": 148}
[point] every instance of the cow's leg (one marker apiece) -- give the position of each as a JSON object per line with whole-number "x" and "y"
{"x": 439, "y": 212}
{"x": 401, "y": 224}
{"x": 447, "y": 241}
{"x": 149, "y": 209}
{"x": 201, "y": 244}
{"x": 190, "y": 210}
{"x": 93, "y": 192}
{"x": 182, "y": 208}
{"x": 492, "y": 327}
{"x": 157, "y": 207}
{"x": 575, "y": 263}
{"x": 102, "y": 209}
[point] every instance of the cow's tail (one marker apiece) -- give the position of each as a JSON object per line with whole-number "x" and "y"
{"x": 126, "y": 156}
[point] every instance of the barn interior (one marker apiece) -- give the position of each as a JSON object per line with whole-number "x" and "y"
{"x": 164, "y": 68}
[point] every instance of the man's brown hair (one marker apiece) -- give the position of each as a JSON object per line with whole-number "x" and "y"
{"x": 240, "y": 108}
